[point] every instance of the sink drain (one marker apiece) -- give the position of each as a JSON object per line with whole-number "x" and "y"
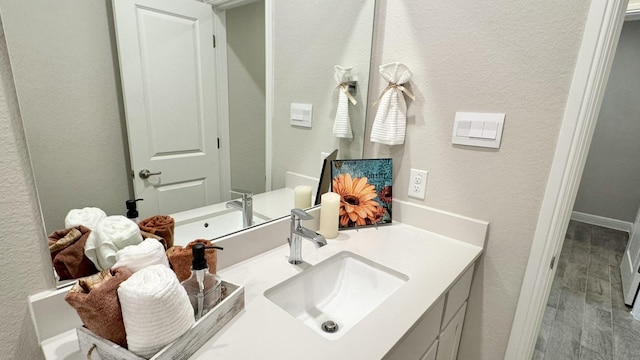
{"x": 329, "y": 326}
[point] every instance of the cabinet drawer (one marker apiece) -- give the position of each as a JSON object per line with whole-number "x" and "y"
{"x": 414, "y": 343}
{"x": 456, "y": 296}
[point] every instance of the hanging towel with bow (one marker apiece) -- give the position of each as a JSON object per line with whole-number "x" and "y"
{"x": 342, "y": 124}
{"x": 390, "y": 123}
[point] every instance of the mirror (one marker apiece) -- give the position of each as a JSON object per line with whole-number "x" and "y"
{"x": 65, "y": 64}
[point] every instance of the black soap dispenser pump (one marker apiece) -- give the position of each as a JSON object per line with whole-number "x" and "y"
{"x": 132, "y": 211}
{"x": 202, "y": 286}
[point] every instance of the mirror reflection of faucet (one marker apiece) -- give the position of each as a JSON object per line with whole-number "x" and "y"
{"x": 298, "y": 232}
{"x": 244, "y": 205}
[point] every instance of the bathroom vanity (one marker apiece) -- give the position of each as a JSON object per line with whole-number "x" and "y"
{"x": 432, "y": 253}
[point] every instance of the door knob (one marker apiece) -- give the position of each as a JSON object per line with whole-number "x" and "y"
{"x": 145, "y": 173}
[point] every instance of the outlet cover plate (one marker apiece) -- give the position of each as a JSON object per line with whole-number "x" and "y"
{"x": 418, "y": 183}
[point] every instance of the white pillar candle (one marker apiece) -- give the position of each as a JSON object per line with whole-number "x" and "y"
{"x": 329, "y": 208}
{"x": 302, "y": 197}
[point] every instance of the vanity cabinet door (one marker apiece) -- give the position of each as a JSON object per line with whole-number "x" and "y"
{"x": 450, "y": 336}
{"x": 417, "y": 340}
{"x": 431, "y": 353}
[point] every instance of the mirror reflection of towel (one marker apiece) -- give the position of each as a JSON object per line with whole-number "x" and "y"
{"x": 161, "y": 225}
{"x": 181, "y": 258}
{"x": 342, "y": 123}
{"x": 390, "y": 124}
{"x": 67, "y": 253}
{"x": 111, "y": 234}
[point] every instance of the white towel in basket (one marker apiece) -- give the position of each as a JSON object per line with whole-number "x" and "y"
{"x": 112, "y": 234}
{"x": 88, "y": 217}
{"x": 390, "y": 123}
{"x": 155, "y": 309}
{"x": 136, "y": 257}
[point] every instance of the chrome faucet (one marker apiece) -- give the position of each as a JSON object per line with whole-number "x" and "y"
{"x": 297, "y": 232}
{"x": 245, "y": 205}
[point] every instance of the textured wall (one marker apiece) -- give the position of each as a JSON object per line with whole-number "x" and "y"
{"x": 24, "y": 262}
{"x": 246, "y": 69}
{"x": 66, "y": 73}
{"x": 610, "y": 185}
{"x": 490, "y": 56}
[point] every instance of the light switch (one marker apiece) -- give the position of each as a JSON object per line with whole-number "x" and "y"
{"x": 490, "y": 130}
{"x": 478, "y": 129}
{"x": 463, "y": 128}
{"x": 301, "y": 114}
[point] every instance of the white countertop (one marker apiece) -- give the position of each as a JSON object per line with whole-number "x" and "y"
{"x": 264, "y": 331}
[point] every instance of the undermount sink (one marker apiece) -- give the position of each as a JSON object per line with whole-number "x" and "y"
{"x": 340, "y": 290}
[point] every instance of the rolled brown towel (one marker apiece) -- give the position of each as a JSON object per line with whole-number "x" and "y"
{"x": 95, "y": 298}
{"x": 67, "y": 253}
{"x": 161, "y": 225}
{"x": 180, "y": 258}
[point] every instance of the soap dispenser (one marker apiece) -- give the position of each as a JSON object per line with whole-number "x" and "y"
{"x": 132, "y": 211}
{"x": 202, "y": 287}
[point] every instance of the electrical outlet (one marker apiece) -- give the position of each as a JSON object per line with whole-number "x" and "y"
{"x": 418, "y": 183}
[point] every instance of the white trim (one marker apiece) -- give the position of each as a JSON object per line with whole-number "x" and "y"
{"x": 602, "y": 221}
{"x": 599, "y": 41}
{"x": 632, "y": 15}
{"x": 222, "y": 80}
{"x": 269, "y": 98}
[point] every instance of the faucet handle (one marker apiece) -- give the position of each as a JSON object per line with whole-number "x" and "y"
{"x": 245, "y": 193}
{"x": 300, "y": 214}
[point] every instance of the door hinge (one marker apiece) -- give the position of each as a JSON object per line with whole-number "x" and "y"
{"x": 553, "y": 261}
{"x": 218, "y": 143}
{"x": 214, "y": 41}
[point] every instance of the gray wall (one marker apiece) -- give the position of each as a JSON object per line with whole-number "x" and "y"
{"x": 507, "y": 56}
{"x": 307, "y": 51}
{"x": 246, "y": 69}
{"x": 610, "y": 185}
{"x": 65, "y": 65}
{"x": 24, "y": 260}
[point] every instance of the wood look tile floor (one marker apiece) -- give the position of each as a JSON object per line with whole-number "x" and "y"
{"x": 586, "y": 317}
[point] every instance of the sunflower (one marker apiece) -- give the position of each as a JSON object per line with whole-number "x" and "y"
{"x": 356, "y": 200}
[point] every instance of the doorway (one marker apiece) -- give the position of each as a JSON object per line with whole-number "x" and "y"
{"x": 585, "y": 313}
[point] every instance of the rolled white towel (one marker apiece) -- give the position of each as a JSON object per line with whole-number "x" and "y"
{"x": 155, "y": 309}
{"x": 136, "y": 257}
{"x": 113, "y": 233}
{"x": 88, "y": 217}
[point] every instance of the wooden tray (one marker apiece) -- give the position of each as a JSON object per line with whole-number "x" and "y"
{"x": 183, "y": 347}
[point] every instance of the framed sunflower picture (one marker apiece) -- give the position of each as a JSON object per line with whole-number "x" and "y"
{"x": 364, "y": 187}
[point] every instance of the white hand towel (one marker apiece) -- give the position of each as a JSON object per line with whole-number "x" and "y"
{"x": 136, "y": 257}
{"x": 342, "y": 123}
{"x": 88, "y": 217}
{"x": 112, "y": 234}
{"x": 155, "y": 309}
{"x": 390, "y": 123}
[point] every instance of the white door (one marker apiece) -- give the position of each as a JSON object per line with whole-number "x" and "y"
{"x": 630, "y": 264}
{"x": 167, "y": 66}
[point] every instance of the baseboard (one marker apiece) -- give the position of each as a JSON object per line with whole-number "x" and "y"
{"x": 602, "y": 221}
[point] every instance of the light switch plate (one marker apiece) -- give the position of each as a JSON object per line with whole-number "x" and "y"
{"x": 478, "y": 129}
{"x": 301, "y": 114}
